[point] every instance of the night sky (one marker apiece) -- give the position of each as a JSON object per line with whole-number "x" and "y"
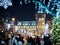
{"x": 25, "y": 12}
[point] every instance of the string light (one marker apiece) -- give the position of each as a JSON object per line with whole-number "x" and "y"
{"x": 5, "y": 3}
{"x": 20, "y": 2}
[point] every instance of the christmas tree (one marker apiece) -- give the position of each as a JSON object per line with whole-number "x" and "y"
{"x": 56, "y": 31}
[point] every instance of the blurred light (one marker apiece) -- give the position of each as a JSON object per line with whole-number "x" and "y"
{"x": 55, "y": 0}
{"x": 29, "y": 24}
{"x": 39, "y": 6}
{"x": 32, "y": 24}
{"x": 5, "y": 3}
{"x": 9, "y": 3}
{"x": 52, "y": 8}
{"x": 46, "y": 10}
{"x": 25, "y": 1}
{"x": 21, "y": 2}
{"x": 57, "y": 15}
{"x": 16, "y": 28}
{"x": 8, "y": 26}
{"x": 58, "y": 1}
{"x": 42, "y": 18}
{"x": 43, "y": 23}
{"x": 6, "y": 20}
{"x": 33, "y": 1}
{"x": 48, "y": 4}
{"x": 46, "y": 28}
{"x": 50, "y": 0}
{"x": 13, "y": 19}
{"x": 23, "y": 24}
{"x": 11, "y": 32}
{"x": 35, "y": 6}
{"x": 22, "y": 30}
{"x": 39, "y": 19}
{"x": 40, "y": 11}
{"x": 43, "y": 1}
{"x": 29, "y": 1}
{"x": 19, "y": 23}
{"x": 11, "y": 23}
{"x": 26, "y": 24}
{"x": 1, "y": 31}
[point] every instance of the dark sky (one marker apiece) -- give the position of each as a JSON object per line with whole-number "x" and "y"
{"x": 25, "y": 12}
{"x": 20, "y": 12}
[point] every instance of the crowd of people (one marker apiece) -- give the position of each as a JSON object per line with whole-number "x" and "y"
{"x": 17, "y": 39}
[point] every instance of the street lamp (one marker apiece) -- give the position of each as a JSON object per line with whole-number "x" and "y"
{"x": 13, "y": 19}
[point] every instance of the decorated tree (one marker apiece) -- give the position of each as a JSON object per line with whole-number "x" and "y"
{"x": 56, "y": 30}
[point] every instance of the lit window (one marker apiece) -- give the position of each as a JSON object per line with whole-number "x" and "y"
{"x": 19, "y": 23}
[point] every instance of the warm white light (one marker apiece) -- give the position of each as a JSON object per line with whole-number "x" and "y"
{"x": 13, "y": 19}
{"x": 39, "y": 19}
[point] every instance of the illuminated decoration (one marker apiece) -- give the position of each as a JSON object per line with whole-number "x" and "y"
{"x": 33, "y": 1}
{"x": 43, "y": 1}
{"x": 25, "y": 1}
{"x": 39, "y": 7}
{"x": 57, "y": 14}
{"x": 56, "y": 31}
{"x": 40, "y": 25}
{"x": 13, "y": 19}
{"x": 21, "y": 2}
{"x": 23, "y": 27}
{"x": 26, "y": 26}
{"x": 19, "y": 23}
{"x": 58, "y": 9}
{"x": 29, "y": 1}
{"x": 50, "y": 6}
{"x": 5, "y": 3}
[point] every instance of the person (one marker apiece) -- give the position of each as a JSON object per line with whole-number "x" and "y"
{"x": 25, "y": 40}
{"x": 29, "y": 40}
{"x": 19, "y": 40}
{"x": 47, "y": 41}
{"x": 42, "y": 42}
{"x": 10, "y": 41}
{"x": 37, "y": 40}
{"x": 2, "y": 41}
{"x": 14, "y": 40}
